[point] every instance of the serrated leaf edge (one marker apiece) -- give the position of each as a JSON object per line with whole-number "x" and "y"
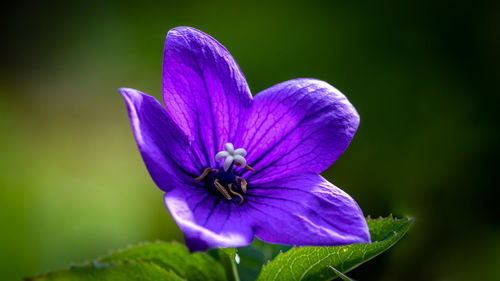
{"x": 405, "y": 227}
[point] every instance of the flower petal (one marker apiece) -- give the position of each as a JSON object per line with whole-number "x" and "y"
{"x": 204, "y": 91}
{"x": 207, "y": 221}
{"x": 305, "y": 210}
{"x": 163, "y": 146}
{"x": 299, "y": 125}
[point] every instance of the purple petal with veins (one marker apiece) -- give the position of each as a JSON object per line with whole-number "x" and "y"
{"x": 269, "y": 186}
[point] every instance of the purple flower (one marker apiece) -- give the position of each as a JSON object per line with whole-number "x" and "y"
{"x": 233, "y": 166}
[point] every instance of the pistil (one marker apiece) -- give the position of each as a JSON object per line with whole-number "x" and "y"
{"x": 222, "y": 181}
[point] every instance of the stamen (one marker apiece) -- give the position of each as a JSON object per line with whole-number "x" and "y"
{"x": 204, "y": 174}
{"x": 222, "y": 190}
{"x": 244, "y": 185}
{"x": 223, "y": 180}
{"x": 246, "y": 166}
{"x": 237, "y": 194}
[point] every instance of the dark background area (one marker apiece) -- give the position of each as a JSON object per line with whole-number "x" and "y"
{"x": 423, "y": 76}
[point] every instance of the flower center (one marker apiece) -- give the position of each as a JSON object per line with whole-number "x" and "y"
{"x": 227, "y": 182}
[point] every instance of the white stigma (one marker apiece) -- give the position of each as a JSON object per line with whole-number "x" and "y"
{"x": 231, "y": 155}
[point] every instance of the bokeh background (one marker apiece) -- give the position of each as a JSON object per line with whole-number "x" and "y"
{"x": 423, "y": 75}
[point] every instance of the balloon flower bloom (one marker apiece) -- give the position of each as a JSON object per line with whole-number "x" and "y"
{"x": 233, "y": 166}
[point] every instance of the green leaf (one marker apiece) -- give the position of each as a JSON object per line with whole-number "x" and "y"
{"x": 254, "y": 256}
{"x": 132, "y": 271}
{"x": 341, "y": 275}
{"x": 151, "y": 261}
{"x": 227, "y": 257}
{"x": 312, "y": 263}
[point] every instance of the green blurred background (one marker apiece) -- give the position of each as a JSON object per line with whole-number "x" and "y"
{"x": 423, "y": 75}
